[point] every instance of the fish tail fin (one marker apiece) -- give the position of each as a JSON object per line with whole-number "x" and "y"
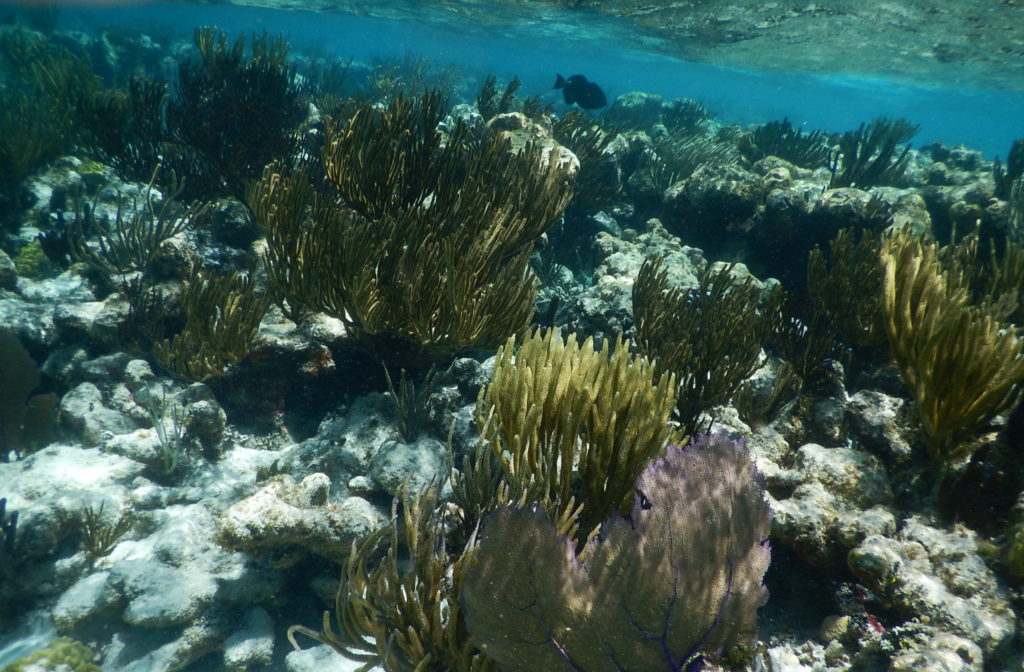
{"x": 559, "y": 82}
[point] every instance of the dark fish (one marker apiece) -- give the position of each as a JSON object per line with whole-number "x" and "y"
{"x": 578, "y": 90}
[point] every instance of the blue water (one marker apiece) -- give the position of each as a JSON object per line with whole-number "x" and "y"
{"x": 988, "y": 120}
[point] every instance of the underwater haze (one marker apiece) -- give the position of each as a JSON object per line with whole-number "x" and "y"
{"x": 512, "y": 336}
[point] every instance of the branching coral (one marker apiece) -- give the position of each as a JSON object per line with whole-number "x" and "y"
{"x": 410, "y": 76}
{"x": 128, "y": 127}
{"x": 995, "y": 279}
{"x": 847, "y": 287}
{"x": 711, "y": 337}
{"x": 62, "y": 653}
{"x": 404, "y": 616}
{"x": 100, "y": 536}
{"x": 678, "y": 156}
{"x": 684, "y": 115}
{"x": 387, "y": 161}
{"x": 779, "y": 138}
{"x": 130, "y": 243}
{"x": 37, "y": 109}
{"x": 1015, "y": 216}
{"x": 597, "y": 183}
{"x": 124, "y": 253}
{"x": 756, "y": 407}
{"x": 488, "y": 101}
{"x": 1006, "y": 176}
{"x": 410, "y": 401}
{"x": 573, "y": 426}
{"x": 804, "y": 342}
{"x": 867, "y": 157}
{"x": 239, "y": 113}
{"x": 674, "y": 582}
{"x": 223, "y": 313}
{"x": 32, "y": 130}
{"x": 432, "y": 257}
{"x": 963, "y": 365}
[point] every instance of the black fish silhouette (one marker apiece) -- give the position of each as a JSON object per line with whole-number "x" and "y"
{"x": 578, "y": 90}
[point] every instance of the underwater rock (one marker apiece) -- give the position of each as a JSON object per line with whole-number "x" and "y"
{"x": 938, "y": 165}
{"x": 958, "y": 157}
{"x": 883, "y": 423}
{"x": 8, "y": 272}
{"x": 606, "y": 306}
{"x": 635, "y": 110}
{"x": 786, "y": 208}
{"x": 175, "y": 577}
{"x": 939, "y": 652}
{"x": 907, "y": 208}
{"x": 252, "y": 645}
{"x": 142, "y": 446}
{"x": 842, "y": 207}
{"x": 344, "y": 442}
{"x": 714, "y": 202}
{"x": 84, "y": 601}
{"x": 83, "y": 413}
{"x": 603, "y": 309}
{"x": 939, "y": 575}
{"x": 294, "y": 519}
{"x": 521, "y": 130}
{"x": 229, "y": 222}
{"x": 963, "y": 206}
{"x": 470, "y": 375}
{"x": 159, "y": 595}
{"x": 320, "y": 658}
{"x": 786, "y": 657}
{"x": 79, "y": 321}
{"x": 849, "y": 474}
{"x": 195, "y": 641}
{"x": 31, "y": 319}
{"x": 419, "y": 463}
{"x": 105, "y": 370}
{"x": 832, "y": 496}
{"x": 205, "y": 421}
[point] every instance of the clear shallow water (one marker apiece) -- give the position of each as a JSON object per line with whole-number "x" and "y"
{"x": 534, "y": 51}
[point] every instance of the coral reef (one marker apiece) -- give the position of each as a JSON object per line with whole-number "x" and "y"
{"x": 238, "y": 112}
{"x": 500, "y": 493}
{"x": 63, "y": 654}
{"x": 222, "y": 314}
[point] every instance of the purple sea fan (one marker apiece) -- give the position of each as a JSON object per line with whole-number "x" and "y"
{"x": 675, "y": 581}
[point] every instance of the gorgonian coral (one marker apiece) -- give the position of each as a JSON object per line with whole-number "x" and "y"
{"x": 676, "y": 581}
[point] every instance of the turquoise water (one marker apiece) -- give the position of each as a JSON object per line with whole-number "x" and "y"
{"x": 988, "y": 120}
